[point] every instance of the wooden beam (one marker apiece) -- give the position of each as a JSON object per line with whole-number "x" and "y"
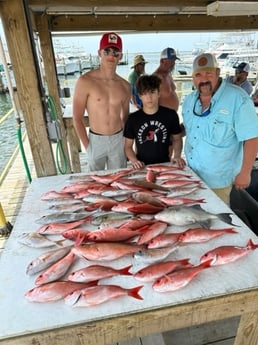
{"x": 39, "y": 5}
{"x": 151, "y": 23}
{"x": 51, "y": 80}
{"x": 24, "y": 67}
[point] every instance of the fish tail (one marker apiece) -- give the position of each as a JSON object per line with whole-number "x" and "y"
{"x": 125, "y": 271}
{"x": 231, "y": 231}
{"x": 186, "y": 262}
{"x": 252, "y": 245}
{"x": 134, "y": 292}
{"x": 226, "y": 218}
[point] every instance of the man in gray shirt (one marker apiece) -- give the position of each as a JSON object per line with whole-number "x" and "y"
{"x": 240, "y": 77}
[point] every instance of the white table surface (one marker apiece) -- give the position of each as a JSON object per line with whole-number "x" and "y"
{"x": 19, "y": 316}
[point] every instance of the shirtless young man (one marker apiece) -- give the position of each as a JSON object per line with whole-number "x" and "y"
{"x": 168, "y": 97}
{"x": 106, "y": 96}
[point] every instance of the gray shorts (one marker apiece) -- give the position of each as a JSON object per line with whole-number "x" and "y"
{"x": 106, "y": 151}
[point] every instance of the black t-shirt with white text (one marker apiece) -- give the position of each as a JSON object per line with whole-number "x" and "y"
{"x": 152, "y": 133}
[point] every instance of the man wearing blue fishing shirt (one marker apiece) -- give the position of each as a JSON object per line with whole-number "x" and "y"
{"x": 221, "y": 128}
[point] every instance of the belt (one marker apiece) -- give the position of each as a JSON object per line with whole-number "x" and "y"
{"x": 106, "y": 134}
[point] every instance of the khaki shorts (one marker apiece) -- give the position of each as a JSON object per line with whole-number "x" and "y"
{"x": 223, "y": 193}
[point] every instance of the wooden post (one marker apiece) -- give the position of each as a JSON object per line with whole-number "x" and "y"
{"x": 50, "y": 76}
{"x": 27, "y": 81}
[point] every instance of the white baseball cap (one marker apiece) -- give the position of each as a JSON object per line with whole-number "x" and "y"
{"x": 204, "y": 62}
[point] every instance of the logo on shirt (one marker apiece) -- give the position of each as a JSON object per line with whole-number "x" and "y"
{"x": 224, "y": 111}
{"x": 152, "y": 131}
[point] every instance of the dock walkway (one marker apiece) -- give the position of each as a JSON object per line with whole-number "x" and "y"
{"x": 14, "y": 187}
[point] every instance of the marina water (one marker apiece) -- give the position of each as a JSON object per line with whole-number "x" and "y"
{"x": 8, "y": 137}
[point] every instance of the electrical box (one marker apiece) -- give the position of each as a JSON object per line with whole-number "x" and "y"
{"x": 54, "y": 130}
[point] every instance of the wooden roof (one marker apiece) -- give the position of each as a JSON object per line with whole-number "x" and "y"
{"x": 144, "y": 15}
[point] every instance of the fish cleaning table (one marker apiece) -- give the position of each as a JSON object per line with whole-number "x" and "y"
{"x": 218, "y": 293}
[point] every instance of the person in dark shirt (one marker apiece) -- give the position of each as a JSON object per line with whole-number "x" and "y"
{"x": 148, "y": 131}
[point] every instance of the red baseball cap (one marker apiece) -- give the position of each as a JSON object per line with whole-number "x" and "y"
{"x": 110, "y": 39}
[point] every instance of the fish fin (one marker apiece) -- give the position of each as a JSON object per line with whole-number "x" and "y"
{"x": 79, "y": 240}
{"x": 206, "y": 224}
{"x": 213, "y": 260}
{"x": 231, "y": 231}
{"x": 134, "y": 292}
{"x": 208, "y": 263}
{"x": 226, "y": 218}
{"x": 125, "y": 271}
{"x": 60, "y": 243}
{"x": 251, "y": 244}
{"x": 186, "y": 262}
{"x": 76, "y": 298}
{"x": 197, "y": 207}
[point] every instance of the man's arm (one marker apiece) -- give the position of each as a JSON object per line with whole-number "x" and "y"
{"x": 177, "y": 150}
{"x": 243, "y": 179}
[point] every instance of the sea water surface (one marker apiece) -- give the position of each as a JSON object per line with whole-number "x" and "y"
{"x": 8, "y": 129}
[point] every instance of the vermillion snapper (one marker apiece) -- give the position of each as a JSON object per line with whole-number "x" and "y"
{"x": 54, "y": 291}
{"x": 179, "y": 279}
{"x": 96, "y": 272}
{"x": 99, "y": 294}
{"x": 46, "y": 259}
{"x": 105, "y": 251}
{"x": 199, "y": 235}
{"x": 226, "y": 254}
{"x": 56, "y": 271}
{"x": 185, "y": 215}
{"x": 157, "y": 270}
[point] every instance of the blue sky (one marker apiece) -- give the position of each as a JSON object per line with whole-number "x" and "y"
{"x": 148, "y": 42}
{"x": 144, "y": 42}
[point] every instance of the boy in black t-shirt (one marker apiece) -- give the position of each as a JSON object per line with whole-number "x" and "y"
{"x": 151, "y": 129}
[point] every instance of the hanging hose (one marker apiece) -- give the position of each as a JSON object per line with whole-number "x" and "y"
{"x": 59, "y": 146}
{"x": 19, "y": 136}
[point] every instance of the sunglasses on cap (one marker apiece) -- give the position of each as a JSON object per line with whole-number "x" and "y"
{"x": 115, "y": 52}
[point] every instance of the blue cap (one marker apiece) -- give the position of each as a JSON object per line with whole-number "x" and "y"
{"x": 169, "y": 53}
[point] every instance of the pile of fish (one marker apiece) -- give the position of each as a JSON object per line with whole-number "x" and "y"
{"x": 105, "y": 217}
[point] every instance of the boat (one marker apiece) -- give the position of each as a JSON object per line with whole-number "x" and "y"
{"x": 232, "y": 49}
{"x": 71, "y": 64}
{"x": 67, "y": 64}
